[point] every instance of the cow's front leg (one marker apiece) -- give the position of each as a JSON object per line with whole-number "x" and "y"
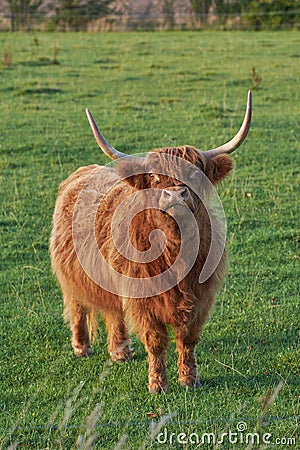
{"x": 186, "y": 341}
{"x": 156, "y": 342}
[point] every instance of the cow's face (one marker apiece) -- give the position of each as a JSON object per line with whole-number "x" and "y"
{"x": 179, "y": 173}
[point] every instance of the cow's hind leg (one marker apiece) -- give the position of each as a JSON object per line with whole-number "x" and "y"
{"x": 186, "y": 341}
{"x": 119, "y": 342}
{"x": 77, "y": 315}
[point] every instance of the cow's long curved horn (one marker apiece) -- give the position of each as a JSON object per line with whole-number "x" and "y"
{"x": 235, "y": 142}
{"x": 100, "y": 139}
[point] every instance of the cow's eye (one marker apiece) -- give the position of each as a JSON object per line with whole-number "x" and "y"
{"x": 154, "y": 177}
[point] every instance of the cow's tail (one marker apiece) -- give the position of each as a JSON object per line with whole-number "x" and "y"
{"x": 92, "y": 323}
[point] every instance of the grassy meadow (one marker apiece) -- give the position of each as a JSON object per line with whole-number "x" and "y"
{"x": 148, "y": 90}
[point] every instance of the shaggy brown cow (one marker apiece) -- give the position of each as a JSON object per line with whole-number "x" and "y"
{"x": 144, "y": 275}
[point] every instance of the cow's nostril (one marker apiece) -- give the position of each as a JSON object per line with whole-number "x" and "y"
{"x": 183, "y": 193}
{"x": 179, "y": 193}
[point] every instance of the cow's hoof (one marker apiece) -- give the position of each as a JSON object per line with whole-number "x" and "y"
{"x": 157, "y": 389}
{"x": 190, "y": 383}
{"x": 83, "y": 351}
{"x": 121, "y": 356}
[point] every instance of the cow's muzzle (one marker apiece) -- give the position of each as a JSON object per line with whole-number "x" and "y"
{"x": 176, "y": 197}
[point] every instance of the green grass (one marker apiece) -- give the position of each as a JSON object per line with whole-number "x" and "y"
{"x": 148, "y": 90}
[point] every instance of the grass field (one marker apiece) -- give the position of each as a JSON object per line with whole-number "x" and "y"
{"x": 148, "y": 90}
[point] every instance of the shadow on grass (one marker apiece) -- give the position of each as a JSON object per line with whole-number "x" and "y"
{"x": 48, "y": 91}
{"x": 39, "y": 62}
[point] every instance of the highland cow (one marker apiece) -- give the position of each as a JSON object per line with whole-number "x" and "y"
{"x": 144, "y": 275}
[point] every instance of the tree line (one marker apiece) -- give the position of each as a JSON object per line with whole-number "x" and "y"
{"x": 77, "y": 14}
{"x": 258, "y": 14}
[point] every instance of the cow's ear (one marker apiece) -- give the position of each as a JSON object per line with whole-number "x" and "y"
{"x": 131, "y": 170}
{"x": 218, "y": 168}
